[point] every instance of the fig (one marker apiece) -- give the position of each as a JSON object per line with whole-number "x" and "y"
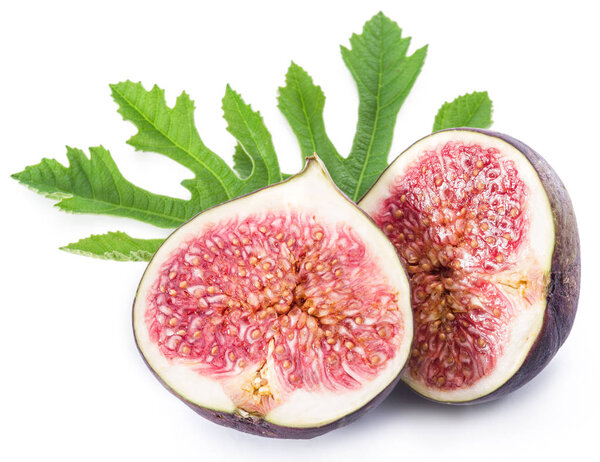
{"x": 488, "y": 236}
{"x": 283, "y": 313}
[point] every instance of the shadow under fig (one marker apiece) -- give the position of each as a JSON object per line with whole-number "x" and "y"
{"x": 405, "y": 398}
{"x": 405, "y": 405}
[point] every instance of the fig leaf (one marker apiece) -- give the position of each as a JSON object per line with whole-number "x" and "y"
{"x": 95, "y": 185}
{"x": 470, "y": 110}
{"x": 384, "y": 75}
{"x": 115, "y": 246}
{"x": 302, "y": 103}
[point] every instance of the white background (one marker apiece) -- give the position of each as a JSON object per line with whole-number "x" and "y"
{"x": 73, "y": 386}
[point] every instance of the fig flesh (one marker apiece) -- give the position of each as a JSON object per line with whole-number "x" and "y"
{"x": 284, "y": 313}
{"x": 488, "y": 235}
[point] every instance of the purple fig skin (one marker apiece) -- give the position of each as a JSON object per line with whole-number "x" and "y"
{"x": 565, "y": 274}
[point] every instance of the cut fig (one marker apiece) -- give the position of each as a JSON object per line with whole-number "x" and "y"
{"x": 487, "y": 233}
{"x": 284, "y": 313}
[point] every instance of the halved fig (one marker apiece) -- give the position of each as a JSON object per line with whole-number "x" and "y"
{"x": 487, "y": 233}
{"x": 284, "y": 313}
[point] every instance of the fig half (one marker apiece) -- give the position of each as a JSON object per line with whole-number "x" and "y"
{"x": 284, "y": 313}
{"x": 488, "y": 235}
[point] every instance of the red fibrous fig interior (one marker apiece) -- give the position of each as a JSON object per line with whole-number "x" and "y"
{"x": 456, "y": 217}
{"x": 283, "y": 306}
{"x": 282, "y": 301}
{"x": 471, "y": 220}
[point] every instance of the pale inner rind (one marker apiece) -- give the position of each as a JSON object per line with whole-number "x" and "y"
{"x": 534, "y": 256}
{"x": 311, "y": 190}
